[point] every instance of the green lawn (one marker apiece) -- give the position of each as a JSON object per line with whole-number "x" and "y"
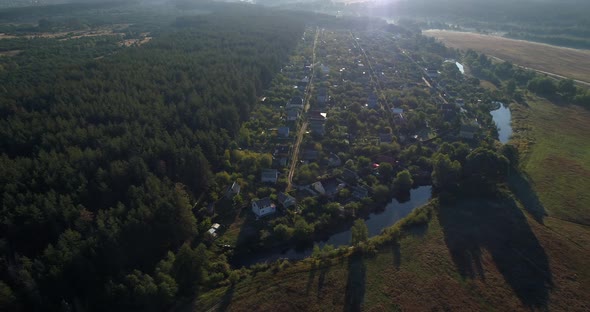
{"x": 556, "y": 145}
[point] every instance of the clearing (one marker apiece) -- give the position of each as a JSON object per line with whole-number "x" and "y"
{"x": 566, "y": 62}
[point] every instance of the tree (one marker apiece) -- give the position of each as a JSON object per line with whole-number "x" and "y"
{"x": 543, "y": 86}
{"x": 303, "y": 230}
{"x": 386, "y": 172}
{"x": 567, "y": 88}
{"x": 445, "y": 173}
{"x": 403, "y": 181}
{"x": 360, "y": 232}
{"x": 283, "y": 232}
{"x": 381, "y": 193}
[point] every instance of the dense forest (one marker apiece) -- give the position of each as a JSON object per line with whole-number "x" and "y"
{"x": 103, "y": 150}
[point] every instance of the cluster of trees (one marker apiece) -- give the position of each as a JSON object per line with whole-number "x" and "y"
{"x": 101, "y": 159}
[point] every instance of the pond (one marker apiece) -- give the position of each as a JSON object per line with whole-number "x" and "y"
{"x": 502, "y": 118}
{"x": 376, "y": 222}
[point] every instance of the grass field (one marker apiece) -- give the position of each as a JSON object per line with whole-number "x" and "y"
{"x": 554, "y": 141}
{"x": 571, "y": 63}
{"x": 473, "y": 256}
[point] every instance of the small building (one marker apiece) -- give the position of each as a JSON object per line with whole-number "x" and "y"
{"x": 215, "y": 226}
{"x": 334, "y": 160}
{"x": 460, "y": 102}
{"x": 286, "y": 200}
{"x": 322, "y": 97}
{"x": 350, "y": 176}
{"x": 269, "y": 175}
{"x": 263, "y": 207}
{"x": 467, "y": 131}
{"x": 233, "y": 190}
{"x": 317, "y": 127}
{"x": 283, "y": 132}
{"x": 293, "y": 114}
{"x": 310, "y": 155}
{"x": 328, "y": 187}
{"x": 295, "y": 101}
{"x": 211, "y": 232}
{"x": 302, "y": 84}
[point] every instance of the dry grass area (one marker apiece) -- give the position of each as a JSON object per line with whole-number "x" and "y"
{"x": 463, "y": 261}
{"x": 10, "y": 53}
{"x": 567, "y": 62}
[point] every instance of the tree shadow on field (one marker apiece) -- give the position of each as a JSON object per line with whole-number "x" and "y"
{"x": 356, "y": 283}
{"x": 397, "y": 254}
{"x": 471, "y": 226}
{"x": 322, "y": 278}
{"x": 521, "y": 187}
{"x": 226, "y": 299}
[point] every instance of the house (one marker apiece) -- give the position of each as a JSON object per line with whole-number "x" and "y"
{"x": 328, "y": 187}
{"x": 310, "y": 155}
{"x": 317, "y": 127}
{"x": 385, "y": 138}
{"x": 350, "y": 176}
{"x": 292, "y": 114}
{"x": 317, "y": 115}
{"x": 286, "y": 200}
{"x": 295, "y": 101}
{"x": 397, "y": 111}
{"x": 215, "y": 226}
{"x": 302, "y": 84}
{"x": 263, "y": 207}
{"x": 269, "y": 175}
{"x": 467, "y": 131}
{"x": 212, "y": 232}
{"x": 360, "y": 192}
{"x": 322, "y": 97}
{"x": 233, "y": 190}
{"x": 283, "y": 132}
{"x": 334, "y": 160}
{"x": 372, "y": 101}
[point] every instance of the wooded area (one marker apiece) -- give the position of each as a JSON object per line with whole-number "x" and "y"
{"x": 101, "y": 159}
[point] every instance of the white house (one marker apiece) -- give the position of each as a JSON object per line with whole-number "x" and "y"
{"x": 263, "y": 207}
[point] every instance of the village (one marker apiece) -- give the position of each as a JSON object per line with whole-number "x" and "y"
{"x": 349, "y": 125}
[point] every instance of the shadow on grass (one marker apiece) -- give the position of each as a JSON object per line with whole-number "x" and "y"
{"x": 310, "y": 278}
{"x": 355, "y": 284}
{"x": 522, "y": 189}
{"x": 226, "y": 299}
{"x": 397, "y": 255}
{"x": 322, "y": 278}
{"x": 470, "y": 226}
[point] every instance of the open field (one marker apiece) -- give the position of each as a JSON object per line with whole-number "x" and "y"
{"x": 571, "y": 63}
{"x": 498, "y": 259}
{"x": 554, "y": 141}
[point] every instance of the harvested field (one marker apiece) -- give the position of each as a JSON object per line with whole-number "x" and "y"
{"x": 10, "y": 53}
{"x": 567, "y": 62}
